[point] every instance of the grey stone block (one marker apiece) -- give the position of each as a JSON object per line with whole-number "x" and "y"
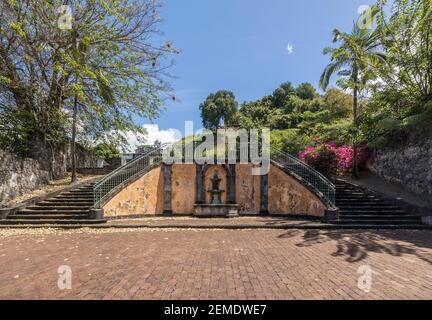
{"x": 96, "y": 214}
{"x": 4, "y": 212}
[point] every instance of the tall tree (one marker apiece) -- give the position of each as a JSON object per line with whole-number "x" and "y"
{"x": 306, "y": 91}
{"x": 38, "y": 69}
{"x": 406, "y": 79}
{"x": 80, "y": 51}
{"x": 217, "y": 108}
{"x": 354, "y": 60}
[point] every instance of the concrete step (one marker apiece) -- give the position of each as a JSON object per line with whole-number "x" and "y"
{"x": 72, "y": 197}
{"x": 77, "y": 194}
{"x": 73, "y": 200}
{"x": 48, "y": 203}
{"x": 373, "y": 209}
{"x": 49, "y": 221}
{"x": 67, "y": 208}
{"x": 352, "y": 196}
{"x": 376, "y": 222}
{"x": 367, "y": 207}
{"x": 54, "y": 211}
{"x": 38, "y": 207}
{"x": 362, "y": 202}
{"x": 48, "y": 216}
{"x": 379, "y": 216}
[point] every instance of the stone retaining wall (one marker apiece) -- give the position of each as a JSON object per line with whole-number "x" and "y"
{"x": 19, "y": 175}
{"x": 145, "y": 196}
{"x": 408, "y": 164}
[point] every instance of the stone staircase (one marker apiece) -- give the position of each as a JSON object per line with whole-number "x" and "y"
{"x": 68, "y": 208}
{"x": 360, "y": 208}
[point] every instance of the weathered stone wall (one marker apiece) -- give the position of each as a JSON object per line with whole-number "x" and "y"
{"x": 409, "y": 164}
{"x": 288, "y": 196}
{"x": 142, "y": 197}
{"x": 145, "y": 196}
{"x": 183, "y": 188}
{"x": 19, "y": 175}
{"x": 247, "y": 189}
{"x": 84, "y": 159}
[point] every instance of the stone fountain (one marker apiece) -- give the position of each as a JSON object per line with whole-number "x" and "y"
{"x": 215, "y": 191}
{"x": 216, "y": 208}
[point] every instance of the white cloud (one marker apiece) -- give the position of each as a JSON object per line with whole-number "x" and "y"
{"x": 290, "y": 48}
{"x": 154, "y": 133}
{"x": 164, "y": 136}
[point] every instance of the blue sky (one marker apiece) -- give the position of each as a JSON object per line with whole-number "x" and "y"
{"x": 242, "y": 46}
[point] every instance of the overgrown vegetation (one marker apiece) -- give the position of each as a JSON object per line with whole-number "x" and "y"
{"x": 385, "y": 64}
{"x": 298, "y": 117}
{"x": 101, "y": 62}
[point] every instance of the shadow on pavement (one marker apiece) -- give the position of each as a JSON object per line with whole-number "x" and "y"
{"x": 356, "y": 245}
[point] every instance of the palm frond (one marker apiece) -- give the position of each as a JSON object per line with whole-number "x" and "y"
{"x": 331, "y": 69}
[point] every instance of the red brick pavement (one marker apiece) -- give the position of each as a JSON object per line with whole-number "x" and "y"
{"x": 216, "y": 264}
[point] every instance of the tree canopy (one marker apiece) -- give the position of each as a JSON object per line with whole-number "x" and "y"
{"x": 108, "y": 56}
{"x": 217, "y": 108}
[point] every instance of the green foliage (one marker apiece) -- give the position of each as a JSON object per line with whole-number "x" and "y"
{"x": 336, "y": 131}
{"x": 106, "y": 151}
{"x": 108, "y": 60}
{"x": 298, "y": 116}
{"x": 339, "y": 103}
{"x": 306, "y": 91}
{"x": 290, "y": 140}
{"x": 217, "y": 108}
{"x": 406, "y": 77}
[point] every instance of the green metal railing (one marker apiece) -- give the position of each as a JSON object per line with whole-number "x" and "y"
{"x": 319, "y": 182}
{"x": 116, "y": 180}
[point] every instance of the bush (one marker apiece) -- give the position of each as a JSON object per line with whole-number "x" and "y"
{"x": 290, "y": 140}
{"x": 330, "y": 159}
{"x": 323, "y": 158}
{"x": 106, "y": 151}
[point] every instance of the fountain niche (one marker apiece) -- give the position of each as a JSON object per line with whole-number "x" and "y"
{"x": 214, "y": 201}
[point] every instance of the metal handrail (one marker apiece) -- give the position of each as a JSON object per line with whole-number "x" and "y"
{"x": 308, "y": 174}
{"x": 144, "y": 163}
{"x": 122, "y": 175}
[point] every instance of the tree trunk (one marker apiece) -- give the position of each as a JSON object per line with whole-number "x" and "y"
{"x": 73, "y": 144}
{"x": 355, "y": 109}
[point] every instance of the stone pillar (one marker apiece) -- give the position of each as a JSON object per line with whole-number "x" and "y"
{"x": 4, "y": 212}
{"x": 231, "y": 184}
{"x": 264, "y": 195}
{"x": 96, "y": 214}
{"x": 167, "y": 173}
{"x": 200, "y": 199}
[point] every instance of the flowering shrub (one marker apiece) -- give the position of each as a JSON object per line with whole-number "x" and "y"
{"x": 330, "y": 159}
{"x": 346, "y": 157}
{"x": 324, "y": 158}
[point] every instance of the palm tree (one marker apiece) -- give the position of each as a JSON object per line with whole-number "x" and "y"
{"x": 354, "y": 60}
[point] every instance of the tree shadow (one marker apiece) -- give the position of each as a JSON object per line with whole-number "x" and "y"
{"x": 300, "y": 220}
{"x": 356, "y": 245}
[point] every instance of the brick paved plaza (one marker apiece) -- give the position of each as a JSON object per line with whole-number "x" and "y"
{"x": 215, "y": 264}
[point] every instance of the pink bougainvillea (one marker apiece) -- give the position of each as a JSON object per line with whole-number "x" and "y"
{"x": 328, "y": 158}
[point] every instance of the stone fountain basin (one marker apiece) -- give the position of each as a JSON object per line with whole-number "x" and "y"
{"x": 216, "y": 210}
